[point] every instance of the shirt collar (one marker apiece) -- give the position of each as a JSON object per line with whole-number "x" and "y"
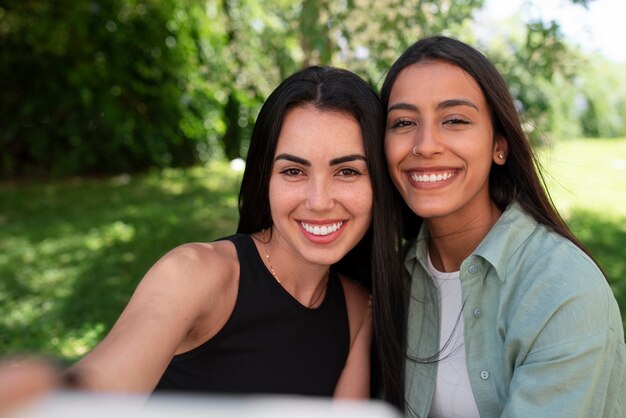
{"x": 502, "y": 241}
{"x": 418, "y": 250}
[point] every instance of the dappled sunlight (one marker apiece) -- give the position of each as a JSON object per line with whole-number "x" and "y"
{"x": 78, "y": 342}
{"x": 109, "y": 234}
{"x": 72, "y": 252}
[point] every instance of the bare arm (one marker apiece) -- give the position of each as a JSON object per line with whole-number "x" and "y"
{"x": 354, "y": 382}
{"x": 178, "y": 292}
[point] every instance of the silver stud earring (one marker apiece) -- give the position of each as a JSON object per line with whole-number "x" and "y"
{"x": 501, "y": 155}
{"x": 415, "y": 152}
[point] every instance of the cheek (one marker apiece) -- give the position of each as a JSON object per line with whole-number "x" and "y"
{"x": 395, "y": 152}
{"x": 359, "y": 200}
{"x": 368, "y": 201}
{"x": 368, "y": 204}
{"x": 279, "y": 197}
{"x": 394, "y": 155}
{"x": 272, "y": 192}
{"x": 488, "y": 156}
{"x": 363, "y": 205}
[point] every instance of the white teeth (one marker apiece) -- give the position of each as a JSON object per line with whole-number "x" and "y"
{"x": 431, "y": 178}
{"x": 321, "y": 230}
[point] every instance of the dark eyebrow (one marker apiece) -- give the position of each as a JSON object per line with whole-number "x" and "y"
{"x": 346, "y": 158}
{"x": 293, "y": 158}
{"x": 334, "y": 161}
{"x": 456, "y": 102}
{"x": 401, "y": 106}
{"x": 442, "y": 105}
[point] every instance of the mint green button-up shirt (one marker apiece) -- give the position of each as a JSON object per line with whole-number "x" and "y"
{"x": 543, "y": 332}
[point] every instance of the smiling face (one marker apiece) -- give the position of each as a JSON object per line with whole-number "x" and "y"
{"x": 439, "y": 142}
{"x": 320, "y": 191}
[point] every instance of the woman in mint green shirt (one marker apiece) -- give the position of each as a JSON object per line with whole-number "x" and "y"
{"x": 508, "y": 315}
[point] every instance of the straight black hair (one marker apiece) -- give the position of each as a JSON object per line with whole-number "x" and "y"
{"x": 375, "y": 259}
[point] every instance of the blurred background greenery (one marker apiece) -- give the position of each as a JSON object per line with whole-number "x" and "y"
{"x": 118, "y": 119}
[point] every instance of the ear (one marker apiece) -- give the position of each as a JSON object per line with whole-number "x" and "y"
{"x": 500, "y": 150}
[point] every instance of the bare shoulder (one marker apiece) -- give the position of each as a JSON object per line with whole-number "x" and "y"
{"x": 196, "y": 272}
{"x": 181, "y": 299}
{"x": 196, "y": 254}
{"x": 197, "y": 261}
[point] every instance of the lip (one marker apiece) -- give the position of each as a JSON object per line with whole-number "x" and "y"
{"x": 322, "y": 231}
{"x": 431, "y": 177}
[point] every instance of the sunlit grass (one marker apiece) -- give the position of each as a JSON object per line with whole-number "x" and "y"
{"x": 72, "y": 251}
{"x": 588, "y": 175}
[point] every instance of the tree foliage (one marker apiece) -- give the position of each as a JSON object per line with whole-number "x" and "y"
{"x": 110, "y": 86}
{"x": 536, "y": 65}
{"x": 601, "y": 99}
{"x": 372, "y": 34}
{"x": 103, "y": 86}
{"x": 561, "y": 92}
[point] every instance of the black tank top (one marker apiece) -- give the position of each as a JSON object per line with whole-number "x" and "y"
{"x": 271, "y": 343}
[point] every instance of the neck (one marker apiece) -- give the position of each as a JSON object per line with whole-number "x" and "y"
{"x": 305, "y": 282}
{"x": 452, "y": 240}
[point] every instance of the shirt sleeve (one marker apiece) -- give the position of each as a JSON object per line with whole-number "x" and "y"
{"x": 572, "y": 379}
{"x": 569, "y": 348}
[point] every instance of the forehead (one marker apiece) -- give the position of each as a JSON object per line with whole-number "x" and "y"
{"x": 308, "y": 129}
{"x": 434, "y": 81}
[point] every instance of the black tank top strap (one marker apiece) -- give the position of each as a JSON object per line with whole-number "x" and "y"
{"x": 271, "y": 343}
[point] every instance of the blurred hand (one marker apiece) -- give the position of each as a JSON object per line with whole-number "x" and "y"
{"x": 23, "y": 380}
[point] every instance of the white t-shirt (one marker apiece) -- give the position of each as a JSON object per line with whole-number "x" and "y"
{"x": 453, "y": 397}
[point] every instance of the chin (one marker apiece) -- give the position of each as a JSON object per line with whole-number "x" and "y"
{"x": 327, "y": 257}
{"x": 428, "y": 211}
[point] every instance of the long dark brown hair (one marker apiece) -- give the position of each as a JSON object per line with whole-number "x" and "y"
{"x": 519, "y": 179}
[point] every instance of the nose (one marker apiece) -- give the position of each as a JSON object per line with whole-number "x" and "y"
{"x": 426, "y": 142}
{"x": 319, "y": 194}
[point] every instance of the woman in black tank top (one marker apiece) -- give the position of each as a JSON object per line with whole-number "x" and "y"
{"x": 271, "y": 309}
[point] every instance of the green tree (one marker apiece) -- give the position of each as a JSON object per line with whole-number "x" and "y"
{"x": 602, "y": 99}
{"x": 259, "y": 51}
{"x": 540, "y": 69}
{"x": 371, "y": 34}
{"x": 121, "y": 85}
{"x": 102, "y": 86}
{"x": 268, "y": 40}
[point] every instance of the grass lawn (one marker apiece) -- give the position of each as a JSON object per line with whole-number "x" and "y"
{"x": 588, "y": 175}
{"x": 72, "y": 251}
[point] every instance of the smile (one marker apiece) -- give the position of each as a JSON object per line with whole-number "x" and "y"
{"x": 432, "y": 177}
{"x": 321, "y": 230}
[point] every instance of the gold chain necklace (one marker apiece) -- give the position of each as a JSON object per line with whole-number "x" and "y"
{"x": 269, "y": 264}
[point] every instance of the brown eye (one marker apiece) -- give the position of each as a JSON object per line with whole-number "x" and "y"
{"x": 349, "y": 172}
{"x": 456, "y": 121}
{"x": 401, "y": 123}
{"x": 291, "y": 172}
